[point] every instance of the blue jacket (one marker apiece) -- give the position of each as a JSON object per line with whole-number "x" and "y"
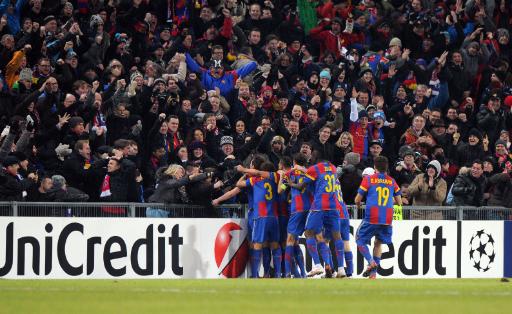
{"x": 225, "y": 83}
{"x": 13, "y": 20}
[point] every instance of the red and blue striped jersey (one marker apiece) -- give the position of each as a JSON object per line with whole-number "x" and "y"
{"x": 282, "y": 204}
{"x": 250, "y": 201}
{"x": 300, "y": 199}
{"x": 264, "y": 195}
{"x": 343, "y": 210}
{"x": 379, "y": 189}
{"x": 326, "y": 196}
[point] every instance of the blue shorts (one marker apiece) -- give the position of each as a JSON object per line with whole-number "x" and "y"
{"x": 319, "y": 220}
{"x": 283, "y": 225}
{"x": 344, "y": 231}
{"x": 297, "y": 223}
{"x": 265, "y": 229}
{"x": 250, "y": 224}
{"x": 367, "y": 231}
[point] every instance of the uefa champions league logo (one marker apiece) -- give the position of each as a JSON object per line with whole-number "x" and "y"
{"x": 481, "y": 250}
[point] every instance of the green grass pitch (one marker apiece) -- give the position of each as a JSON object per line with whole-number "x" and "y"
{"x": 256, "y": 296}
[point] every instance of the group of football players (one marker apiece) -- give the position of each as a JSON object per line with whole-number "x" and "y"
{"x": 295, "y": 200}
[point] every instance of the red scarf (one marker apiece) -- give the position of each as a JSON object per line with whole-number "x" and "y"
{"x": 105, "y": 187}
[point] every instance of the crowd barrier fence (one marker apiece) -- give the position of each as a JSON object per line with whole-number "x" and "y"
{"x": 36, "y": 209}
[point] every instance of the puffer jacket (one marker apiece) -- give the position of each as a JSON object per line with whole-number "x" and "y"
{"x": 170, "y": 191}
{"x": 468, "y": 191}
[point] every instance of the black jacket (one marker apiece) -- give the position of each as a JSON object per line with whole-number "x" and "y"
{"x": 11, "y": 187}
{"x": 121, "y": 180}
{"x": 77, "y": 173}
{"x": 468, "y": 191}
{"x": 167, "y": 189}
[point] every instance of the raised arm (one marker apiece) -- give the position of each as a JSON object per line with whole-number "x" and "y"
{"x": 192, "y": 64}
{"x": 253, "y": 172}
{"x": 226, "y": 196}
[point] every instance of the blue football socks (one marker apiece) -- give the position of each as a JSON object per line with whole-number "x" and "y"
{"x": 255, "y": 263}
{"x": 266, "y": 261}
{"x": 349, "y": 262}
{"x": 277, "y": 256}
{"x": 313, "y": 250}
{"x": 299, "y": 258}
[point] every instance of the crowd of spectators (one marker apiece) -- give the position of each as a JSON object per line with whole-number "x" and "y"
{"x": 158, "y": 101}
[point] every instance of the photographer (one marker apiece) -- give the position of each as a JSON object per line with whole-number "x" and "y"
{"x": 170, "y": 189}
{"x": 201, "y": 192}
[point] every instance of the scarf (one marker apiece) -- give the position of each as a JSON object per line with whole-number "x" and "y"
{"x": 105, "y": 187}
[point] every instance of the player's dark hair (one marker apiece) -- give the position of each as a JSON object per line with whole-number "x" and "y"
{"x": 258, "y": 161}
{"x": 381, "y": 164}
{"x": 300, "y": 159}
{"x": 286, "y": 162}
{"x": 317, "y": 156}
{"x": 268, "y": 166}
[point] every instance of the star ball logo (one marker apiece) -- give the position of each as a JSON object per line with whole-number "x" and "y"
{"x": 481, "y": 250}
{"x": 231, "y": 250}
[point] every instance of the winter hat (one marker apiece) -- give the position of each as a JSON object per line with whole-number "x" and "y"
{"x": 352, "y": 158}
{"x": 71, "y": 54}
{"x": 74, "y": 121}
{"x": 58, "y": 181}
{"x": 196, "y": 144}
{"x": 48, "y": 19}
{"x": 19, "y": 155}
{"x": 368, "y": 171}
{"x": 395, "y": 42}
{"x": 104, "y": 149}
{"x": 364, "y": 70}
{"x": 226, "y": 140}
{"x": 134, "y": 75}
{"x": 379, "y": 115}
{"x": 325, "y": 74}
{"x": 340, "y": 85}
{"x": 95, "y": 20}
{"x": 405, "y": 150}
{"x": 500, "y": 142}
{"x": 265, "y": 88}
{"x": 9, "y": 161}
{"x": 25, "y": 75}
{"x": 474, "y": 44}
{"x": 375, "y": 142}
{"x": 436, "y": 165}
{"x": 502, "y": 32}
{"x": 363, "y": 114}
{"x": 158, "y": 81}
{"x": 371, "y": 107}
{"x": 476, "y": 133}
{"x": 508, "y": 101}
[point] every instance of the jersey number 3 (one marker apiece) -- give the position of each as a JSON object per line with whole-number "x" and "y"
{"x": 268, "y": 187}
{"x": 383, "y": 194}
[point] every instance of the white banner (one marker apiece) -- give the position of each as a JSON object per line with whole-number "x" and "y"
{"x": 482, "y": 249}
{"x": 420, "y": 249}
{"x": 102, "y": 248}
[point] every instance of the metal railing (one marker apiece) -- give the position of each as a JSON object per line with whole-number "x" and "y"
{"x": 33, "y": 209}
{"x": 36, "y": 209}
